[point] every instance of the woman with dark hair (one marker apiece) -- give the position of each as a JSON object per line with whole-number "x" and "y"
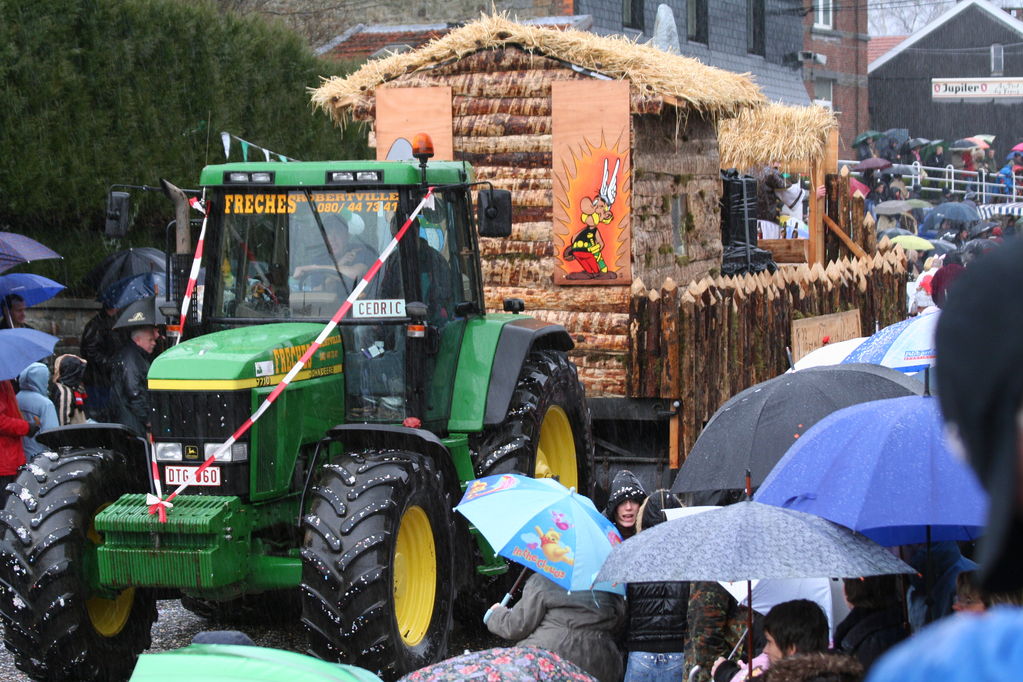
{"x": 876, "y": 621}
{"x": 627, "y": 493}
{"x": 655, "y": 633}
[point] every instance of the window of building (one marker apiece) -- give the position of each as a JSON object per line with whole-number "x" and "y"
{"x": 824, "y": 14}
{"x": 756, "y": 28}
{"x": 824, "y": 92}
{"x": 997, "y": 60}
{"x": 632, "y": 14}
{"x": 696, "y": 21}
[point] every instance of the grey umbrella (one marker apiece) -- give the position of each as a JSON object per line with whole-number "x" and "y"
{"x": 747, "y": 541}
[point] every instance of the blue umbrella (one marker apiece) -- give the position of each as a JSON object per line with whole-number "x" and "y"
{"x": 882, "y": 468}
{"x": 127, "y": 290}
{"x": 32, "y": 288}
{"x": 907, "y": 346}
{"x": 541, "y": 524}
{"x": 17, "y": 248}
{"x": 21, "y": 347}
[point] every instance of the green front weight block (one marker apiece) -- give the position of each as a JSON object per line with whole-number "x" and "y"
{"x": 205, "y": 543}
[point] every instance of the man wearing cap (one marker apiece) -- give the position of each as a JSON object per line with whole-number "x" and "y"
{"x": 129, "y": 392}
{"x": 980, "y": 371}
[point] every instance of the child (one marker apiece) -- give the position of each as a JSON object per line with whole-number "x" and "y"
{"x": 793, "y": 627}
{"x": 67, "y": 390}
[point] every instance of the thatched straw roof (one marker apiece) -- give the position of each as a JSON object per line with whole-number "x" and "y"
{"x": 776, "y": 132}
{"x": 680, "y": 81}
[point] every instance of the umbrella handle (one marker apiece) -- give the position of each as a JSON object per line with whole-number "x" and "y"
{"x": 738, "y": 644}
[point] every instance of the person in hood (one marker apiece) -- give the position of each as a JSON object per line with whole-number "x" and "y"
{"x": 655, "y": 635}
{"x": 35, "y": 405}
{"x": 581, "y": 626}
{"x": 67, "y": 390}
{"x": 627, "y": 493}
{"x": 875, "y": 622}
{"x": 13, "y": 427}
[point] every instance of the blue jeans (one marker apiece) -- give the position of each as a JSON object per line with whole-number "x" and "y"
{"x": 649, "y": 667}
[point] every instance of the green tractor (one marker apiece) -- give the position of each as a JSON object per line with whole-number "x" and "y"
{"x": 338, "y": 501}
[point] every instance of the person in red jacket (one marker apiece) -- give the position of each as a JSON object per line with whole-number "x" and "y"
{"x": 12, "y": 428}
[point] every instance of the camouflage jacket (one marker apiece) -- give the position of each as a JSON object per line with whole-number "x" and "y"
{"x": 716, "y": 622}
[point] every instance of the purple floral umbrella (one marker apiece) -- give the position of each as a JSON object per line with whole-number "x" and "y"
{"x": 503, "y": 664}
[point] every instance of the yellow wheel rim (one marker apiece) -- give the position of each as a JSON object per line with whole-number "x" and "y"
{"x": 108, "y": 616}
{"x": 415, "y": 575}
{"x": 555, "y": 454}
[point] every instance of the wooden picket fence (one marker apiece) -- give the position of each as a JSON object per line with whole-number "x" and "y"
{"x": 705, "y": 342}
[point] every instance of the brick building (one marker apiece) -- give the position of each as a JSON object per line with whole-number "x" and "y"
{"x": 760, "y": 37}
{"x": 835, "y": 62}
{"x": 960, "y": 75}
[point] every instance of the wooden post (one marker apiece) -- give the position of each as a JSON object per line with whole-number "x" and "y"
{"x": 849, "y": 243}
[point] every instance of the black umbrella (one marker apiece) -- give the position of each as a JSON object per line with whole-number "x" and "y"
{"x": 917, "y": 142}
{"x": 955, "y": 211}
{"x": 893, "y": 232}
{"x": 978, "y": 247}
{"x": 982, "y": 229}
{"x": 941, "y": 247}
{"x": 125, "y": 264}
{"x": 754, "y": 428}
{"x": 964, "y": 145}
{"x": 899, "y": 135}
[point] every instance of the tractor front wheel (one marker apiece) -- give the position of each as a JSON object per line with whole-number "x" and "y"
{"x": 58, "y": 621}
{"x": 378, "y": 562}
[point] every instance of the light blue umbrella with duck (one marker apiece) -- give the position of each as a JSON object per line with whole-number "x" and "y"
{"x": 542, "y": 525}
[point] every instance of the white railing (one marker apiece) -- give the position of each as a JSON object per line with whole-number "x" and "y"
{"x": 984, "y": 183}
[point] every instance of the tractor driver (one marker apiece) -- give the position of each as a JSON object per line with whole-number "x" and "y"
{"x": 340, "y": 263}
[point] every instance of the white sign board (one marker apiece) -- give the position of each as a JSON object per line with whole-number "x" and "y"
{"x": 380, "y": 307}
{"x": 976, "y": 88}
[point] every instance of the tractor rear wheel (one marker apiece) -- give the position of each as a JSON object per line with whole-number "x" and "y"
{"x": 59, "y": 623}
{"x": 377, "y": 562}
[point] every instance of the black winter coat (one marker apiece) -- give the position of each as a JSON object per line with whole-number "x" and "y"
{"x": 657, "y": 616}
{"x": 868, "y": 633}
{"x": 129, "y": 392}
{"x": 99, "y": 346}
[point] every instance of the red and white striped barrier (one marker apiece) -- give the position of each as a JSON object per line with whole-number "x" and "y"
{"x": 193, "y": 275}
{"x": 159, "y": 505}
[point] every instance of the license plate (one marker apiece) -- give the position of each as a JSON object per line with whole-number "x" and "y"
{"x": 179, "y": 475}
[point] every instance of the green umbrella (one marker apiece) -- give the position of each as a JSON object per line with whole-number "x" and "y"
{"x": 233, "y": 663}
{"x": 911, "y": 241}
{"x": 866, "y": 135}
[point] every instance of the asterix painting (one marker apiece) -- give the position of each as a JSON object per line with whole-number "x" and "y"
{"x": 592, "y": 182}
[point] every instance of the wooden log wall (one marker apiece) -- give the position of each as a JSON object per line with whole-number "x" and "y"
{"x": 714, "y": 337}
{"x": 501, "y": 115}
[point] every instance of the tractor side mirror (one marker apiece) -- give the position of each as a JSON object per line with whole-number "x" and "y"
{"x": 118, "y": 212}
{"x": 495, "y": 209}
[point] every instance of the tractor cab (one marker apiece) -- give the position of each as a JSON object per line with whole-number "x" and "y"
{"x": 290, "y": 242}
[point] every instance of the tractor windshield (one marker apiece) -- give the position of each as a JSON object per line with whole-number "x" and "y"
{"x": 298, "y": 254}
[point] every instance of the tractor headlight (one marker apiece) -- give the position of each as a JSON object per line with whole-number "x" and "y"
{"x": 238, "y": 452}
{"x": 168, "y": 452}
